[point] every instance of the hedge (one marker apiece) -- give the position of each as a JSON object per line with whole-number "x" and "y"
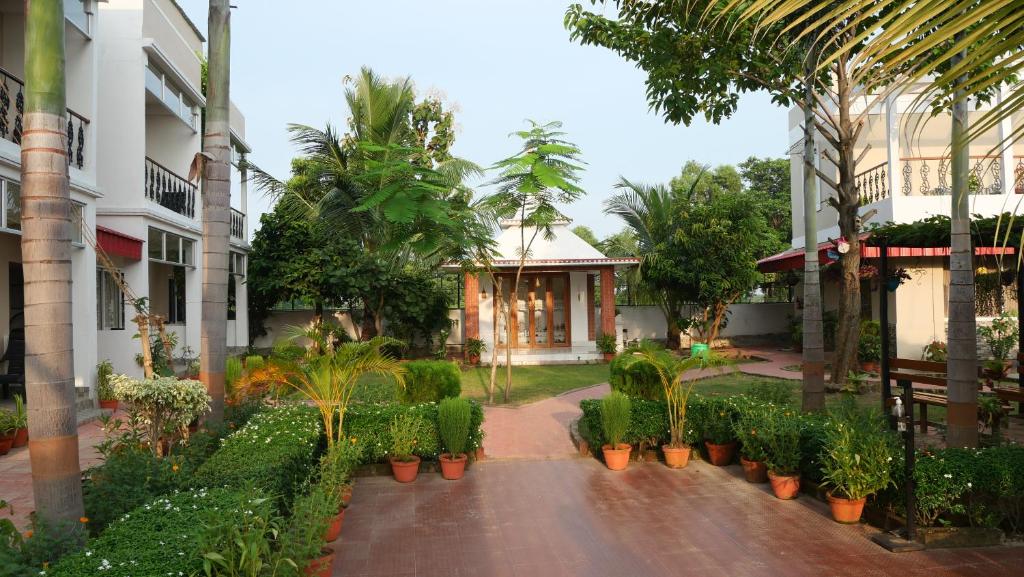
{"x": 430, "y": 381}
{"x": 638, "y": 381}
{"x": 367, "y": 425}
{"x": 156, "y": 539}
{"x": 274, "y": 452}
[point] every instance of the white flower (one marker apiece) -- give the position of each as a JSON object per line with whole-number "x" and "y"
{"x": 948, "y": 475}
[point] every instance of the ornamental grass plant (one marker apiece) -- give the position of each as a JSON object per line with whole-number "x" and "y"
{"x": 405, "y": 429}
{"x": 453, "y": 419}
{"x": 615, "y": 416}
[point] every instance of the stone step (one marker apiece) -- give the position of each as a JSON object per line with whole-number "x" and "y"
{"x": 91, "y": 414}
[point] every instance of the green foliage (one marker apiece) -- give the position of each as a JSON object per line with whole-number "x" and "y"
{"x": 369, "y": 426}
{"x": 336, "y": 466}
{"x": 34, "y": 551}
{"x": 749, "y": 430}
{"x": 104, "y": 388}
{"x": 768, "y": 180}
{"x": 430, "y": 381}
{"x": 1000, "y": 335}
{"x": 475, "y": 347}
{"x": 869, "y": 347}
{"x": 166, "y": 404}
{"x": 127, "y": 479}
{"x": 254, "y": 362}
{"x": 405, "y": 430}
{"x": 274, "y": 452}
{"x": 606, "y": 343}
{"x": 161, "y": 537}
{"x": 302, "y": 535}
{"x": 615, "y": 417}
{"x": 20, "y": 414}
{"x": 453, "y": 420}
{"x": 857, "y": 452}
{"x": 635, "y": 377}
{"x": 232, "y": 371}
{"x": 648, "y": 423}
{"x": 782, "y": 441}
{"x": 717, "y": 417}
{"x": 773, "y": 391}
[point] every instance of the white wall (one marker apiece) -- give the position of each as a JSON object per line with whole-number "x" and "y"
{"x": 745, "y": 319}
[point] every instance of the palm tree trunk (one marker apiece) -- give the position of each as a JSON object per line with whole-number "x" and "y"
{"x": 813, "y": 336}
{"x": 497, "y": 300}
{"x": 216, "y": 209}
{"x": 963, "y": 354}
{"x": 46, "y": 257}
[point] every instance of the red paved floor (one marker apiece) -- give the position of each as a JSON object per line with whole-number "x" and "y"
{"x": 574, "y": 517}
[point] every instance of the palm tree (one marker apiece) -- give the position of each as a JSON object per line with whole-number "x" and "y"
{"x": 216, "y": 210}
{"x": 46, "y": 257}
{"x": 813, "y": 369}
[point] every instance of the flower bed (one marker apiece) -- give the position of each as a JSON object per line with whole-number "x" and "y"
{"x": 368, "y": 425}
{"x": 159, "y": 538}
{"x": 274, "y": 452}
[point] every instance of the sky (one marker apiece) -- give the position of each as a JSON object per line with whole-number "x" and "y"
{"x": 496, "y": 62}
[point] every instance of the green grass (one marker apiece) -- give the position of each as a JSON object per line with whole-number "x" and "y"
{"x": 533, "y": 383}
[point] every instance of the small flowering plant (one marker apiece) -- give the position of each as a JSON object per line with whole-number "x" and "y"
{"x": 405, "y": 430}
{"x": 749, "y": 430}
{"x": 166, "y": 405}
{"x": 782, "y": 441}
{"x": 857, "y": 453}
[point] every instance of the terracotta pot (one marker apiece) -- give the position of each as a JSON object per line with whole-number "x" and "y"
{"x": 617, "y": 459}
{"x": 112, "y": 405}
{"x": 870, "y": 367}
{"x": 5, "y": 444}
{"x": 846, "y": 510}
{"x": 405, "y": 471}
{"x": 473, "y": 359}
{"x": 721, "y": 455}
{"x": 649, "y": 456}
{"x": 676, "y": 457}
{"x": 334, "y": 529}
{"x": 452, "y": 469}
{"x": 480, "y": 455}
{"x": 321, "y": 566}
{"x": 755, "y": 471}
{"x": 346, "y": 496}
{"x": 784, "y": 486}
{"x": 608, "y": 356}
{"x": 20, "y": 437}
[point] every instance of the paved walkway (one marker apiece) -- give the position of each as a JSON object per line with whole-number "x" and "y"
{"x": 576, "y": 518}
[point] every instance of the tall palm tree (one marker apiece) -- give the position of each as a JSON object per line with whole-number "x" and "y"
{"x": 46, "y": 257}
{"x": 216, "y": 209}
{"x": 813, "y": 393}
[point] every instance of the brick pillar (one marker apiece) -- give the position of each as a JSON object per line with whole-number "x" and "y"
{"x": 472, "y": 323}
{"x": 608, "y": 300}
{"x": 591, "y": 304}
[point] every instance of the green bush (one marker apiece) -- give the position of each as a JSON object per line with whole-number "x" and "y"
{"x": 615, "y": 417}
{"x": 638, "y": 379}
{"x": 368, "y": 426}
{"x": 253, "y": 362}
{"x": 856, "y": 453}
{"x": 717, "y": 417}
{"x": 125, "y": 480}
{"x": 749, "y": 430}
{"x": 161, "y": 537}
{"x": 430, "y": 381}
{"x": 232, "y": 372}
{"x": 274, "y": 452}
{"x": 774, "y": 391}
{"x": 453, "y": 418}
{"x": 782, "y": 442}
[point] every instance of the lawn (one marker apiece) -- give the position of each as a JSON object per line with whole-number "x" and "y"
{"x": 533, "y": 383}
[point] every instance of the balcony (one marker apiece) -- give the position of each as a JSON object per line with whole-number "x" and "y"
{"x": 930, "y": 176}
{"x": 169, "y": 190}
{"x": 12, "y": 110}
{"x": 237, "y": 224}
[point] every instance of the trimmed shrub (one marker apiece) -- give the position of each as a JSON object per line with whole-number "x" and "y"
{"x": 430, "y": 381}
{"x": 162, "y": 537}
{"x": 127, "y": 479}
{"x": 648, "y": 423}
{"x": 615, "y": 413}
{"x": 274, "y": 452}
{"x": 773, "y": 391}
{"x": 367, "y": 427}
{"x": 453, "y": 418}
{"x": 639, "y": 380}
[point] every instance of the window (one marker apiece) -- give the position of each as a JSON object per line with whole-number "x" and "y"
{"x": 12, "y": 205}
{"x": 77, "y": 214}
{"x": 176, "y": 296}
{"x": 232, "y": 299}
{"x": 169, "y": 247}
{"x": 168, "y": 93}
{"x": 236, "y": 264}
{"x": 109, "y": 302}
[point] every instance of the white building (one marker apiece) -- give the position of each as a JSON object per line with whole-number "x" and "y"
{"x": 135, "y": 102}
{"x": 904, "y": 176}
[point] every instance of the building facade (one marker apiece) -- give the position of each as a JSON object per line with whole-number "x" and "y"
{"x": 134, "y": 78}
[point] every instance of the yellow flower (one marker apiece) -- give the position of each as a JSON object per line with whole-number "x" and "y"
{"x": 175, "y": 467}
{"x": 721, "y": 414}
{"x": 28, "y": 534}
{"x": 353, "y": 439}
{"x": 83, "y": 519}
{"x": 46, "y": 564}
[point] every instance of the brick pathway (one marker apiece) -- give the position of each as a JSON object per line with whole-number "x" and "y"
{"x": 16, "y": 473}
{"x": 574, "y": 517}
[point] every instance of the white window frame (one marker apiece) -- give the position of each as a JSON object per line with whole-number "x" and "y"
{"x": 80, "y": 242}
{"x": 103, "y": 283}
{"x": 164, "y": 235}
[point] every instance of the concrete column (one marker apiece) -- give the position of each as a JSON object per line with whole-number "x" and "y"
{"x": 472, "y": 322}
{"x": 892, "y": 147}
{"x": 1006, "y": 164}
{"x": 608, "y": 300}
{"x": 590, "y": 307}
{"x": 244, "y": 198}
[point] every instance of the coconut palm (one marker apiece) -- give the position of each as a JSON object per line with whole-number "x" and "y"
{"x": 46, "y": 257}
{"x": 216, "y": 210}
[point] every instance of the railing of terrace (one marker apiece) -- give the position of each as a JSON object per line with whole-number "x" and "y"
{"x": 12, "y": 119}
{"x": 873, "y": 183}
{"x": 237, "y": 224}
{"x": 169, "y": 190}
{"x": 930, "y": 175}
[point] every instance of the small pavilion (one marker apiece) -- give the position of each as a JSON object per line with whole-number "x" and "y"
{"x": 556, "y": 315}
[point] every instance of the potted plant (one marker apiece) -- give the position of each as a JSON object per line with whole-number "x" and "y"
{"x": 336, "y": 467}
{"x": 748, "y": 428}
{"x": 896, "y": 278}
{"x": 607, "y": 346}
{"x": 1000, "y": 336}
{"x": 7, "y": 422}
{"x": 453, "y": 416}
{"x": 869, "y": 347}
{"x": 670, "y": 370}
{"x": 615, "y": 413}
{"x": 474, "y": 349}
{"x": 935, "y": 351}
{"x": 303, "y": 537}
{"x": 782, "y": 452}
{"x": 20, "y": 423}
{"x": 719, "y": 437}
{"x": 105, "y": 387}
{"x": 405, "y": 429}
{"x": 855, "y": 461}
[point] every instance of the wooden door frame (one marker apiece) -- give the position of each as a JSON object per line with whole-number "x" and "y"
{"x": 549, "y": 309}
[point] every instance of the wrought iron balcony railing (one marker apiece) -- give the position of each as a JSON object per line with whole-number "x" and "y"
{"x": 930, "y": 176}
{"x": 237, "y": 224}
{"x": 873, "y": 183}
{"x": 169, "y": 190}
{"x": 12, "y": 92}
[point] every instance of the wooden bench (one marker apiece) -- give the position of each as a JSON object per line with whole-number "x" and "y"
{"x": 933, "y": 373}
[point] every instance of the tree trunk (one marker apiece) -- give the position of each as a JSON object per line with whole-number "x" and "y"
{"x": 813, "y": 398}
{"x": 369, "y": 323}
{"x": 46, "y": 257}
{"x": 848, "y": 331}
{"x": 497, "y": 301}
{"x": 672, "y": 339}
{"x": 216, "y": 210}
{"x": 962, "y": 410}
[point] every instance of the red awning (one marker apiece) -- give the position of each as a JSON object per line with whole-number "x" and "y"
{"x": 118, "y": 244}
{"x": 794, "y": 258}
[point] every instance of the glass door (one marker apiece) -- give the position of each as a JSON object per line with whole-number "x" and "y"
{"x": 559, "y": 326}
{"x": 540, "y": 311}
